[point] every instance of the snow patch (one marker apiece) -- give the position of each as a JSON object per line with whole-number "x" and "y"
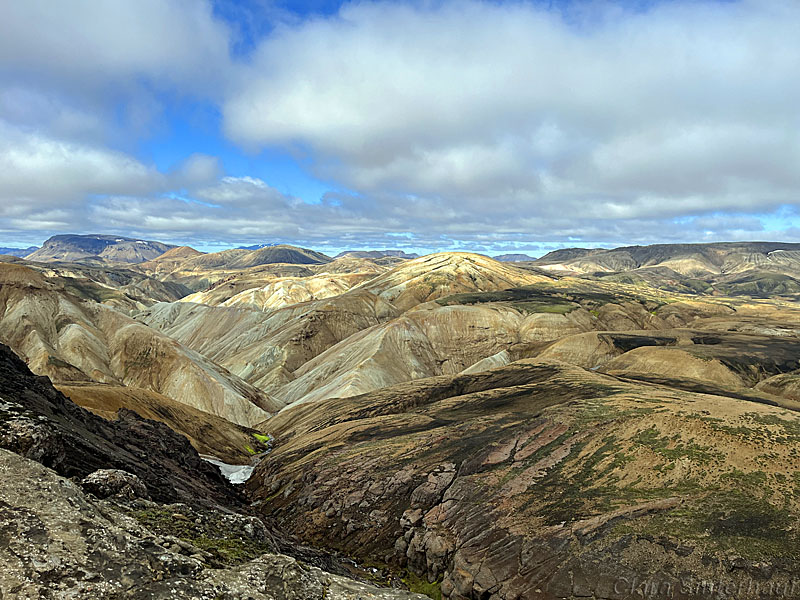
{"x": 236, "y": 474}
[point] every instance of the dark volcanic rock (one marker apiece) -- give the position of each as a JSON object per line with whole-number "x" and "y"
{"x": 39, "y": 422}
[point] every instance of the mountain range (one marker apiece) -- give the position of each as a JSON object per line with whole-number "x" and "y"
{"x": 20, "y": 252}
{"x": 451, "y": 425}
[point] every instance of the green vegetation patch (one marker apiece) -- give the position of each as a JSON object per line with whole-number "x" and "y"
{"x": 790, "y": 427}
{"x": 214, "y": 537}
{"x": 673, "y": 449}
{"x": 418, "y": 585}
{"x": 263, "y": 438}
{"x": 732, "y": 522}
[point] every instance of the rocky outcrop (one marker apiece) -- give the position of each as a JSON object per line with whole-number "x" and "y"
{"x": 58, "y": 542}
{"x": 38, "y": 422}
{"x": 105, "y": 483}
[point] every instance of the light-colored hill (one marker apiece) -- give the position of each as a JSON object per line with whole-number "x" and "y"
{"x": 240, "y": 269}
{"x": 265, "y": 348}
{"x": 434, "y": 340}
{"x": 117, "y": 286}
{"x": 243, "y": 259}
{"x": 169, "y": 261}
{"x": 420, "y": 343}
{"x": 280, "y": 291}
{"x": 690, "y": 260}
{"x": 208, "y": 433}
{"x": 70, "y": 339}
{"x": 672, "y": 363}
{"x": 438, "y": 275}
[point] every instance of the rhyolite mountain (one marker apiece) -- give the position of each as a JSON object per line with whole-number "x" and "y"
{"x": 69, "y": 248}
{"x": 723, "y": 257}
{"x": 72, "y": 338}
{"x": 467, "y": 427}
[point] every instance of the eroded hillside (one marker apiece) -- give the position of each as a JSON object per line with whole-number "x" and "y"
{"x": 474, "y": 428}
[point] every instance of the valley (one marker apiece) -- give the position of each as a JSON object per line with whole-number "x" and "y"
{"x": 449, "y": 425}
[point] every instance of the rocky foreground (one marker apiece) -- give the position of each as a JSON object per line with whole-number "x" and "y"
{"x": 88, "y": 510}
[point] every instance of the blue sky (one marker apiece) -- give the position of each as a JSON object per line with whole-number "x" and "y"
{"x": 488, "y": 126}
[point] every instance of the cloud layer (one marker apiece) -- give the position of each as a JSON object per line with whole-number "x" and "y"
{"x": 469, "y": 123}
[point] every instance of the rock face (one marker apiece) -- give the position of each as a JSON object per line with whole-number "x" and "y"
{"x": 542, "y": 480}
{"x": 38, "y": 422}
{"x": 57, "y": 542}
{"x": 111, "y": 248}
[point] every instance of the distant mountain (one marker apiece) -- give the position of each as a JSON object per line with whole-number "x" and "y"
{"x": 70, "y": 248}
{"x": 377, "y": 254}
{"x": 514, "y": 258}
{"x": 687, "y": 259}
{"x": 243, "y": 259}
{"x": 21, "y": 252}
{"x": 565, "y": 254}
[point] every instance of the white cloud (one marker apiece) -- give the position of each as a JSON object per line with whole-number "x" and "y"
{"x": 38, "y": 171}
{"x": 464, "y": 123}
{"x": 197, "y": 169}
{"x": 684, "y": 108}
{"x": 84, "y": 42}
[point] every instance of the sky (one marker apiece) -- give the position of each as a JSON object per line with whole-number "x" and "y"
{"x": 426, "y": 125}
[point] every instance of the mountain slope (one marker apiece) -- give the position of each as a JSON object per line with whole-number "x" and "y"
{"x": 541, "y": 480}
{"x": 41, "y": 423}
{"x": 63, "y": 541}
{"x": 209, "y": 434}
{"x": 70, "y": 339}
{"x": 686, "y": 259}
{"x": 439, "y": 275}
{"x": 265, "y": 348}
{"x": 19, "y": 252}
{"x": 113, "y": 285}
{"x": 280, "y": 291}
{"x": 377, "y": 254}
